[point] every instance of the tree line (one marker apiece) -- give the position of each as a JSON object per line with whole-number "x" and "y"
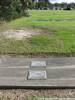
{"x": 11, "y": 9}
{"x": 48, "y": 5}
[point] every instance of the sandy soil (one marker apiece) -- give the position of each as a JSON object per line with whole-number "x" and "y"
{"x": 21, "y": 33}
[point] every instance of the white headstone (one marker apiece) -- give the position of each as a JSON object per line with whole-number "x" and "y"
{"x": 37, "y": 74}
{"x": 38, "y": 63}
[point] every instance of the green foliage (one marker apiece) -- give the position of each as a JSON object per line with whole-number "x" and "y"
{"x": 11, "y": 9}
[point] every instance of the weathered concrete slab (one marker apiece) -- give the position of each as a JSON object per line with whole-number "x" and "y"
{"x": 21, "y": 82}
{"x": 37, "y": 75}
{"x": 13, "y": 73}
{"x": 22, "y": 61}
{"x": 60, "y": 72}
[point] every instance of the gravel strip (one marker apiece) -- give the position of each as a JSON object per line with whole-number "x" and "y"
{"x": 30, "y": 94}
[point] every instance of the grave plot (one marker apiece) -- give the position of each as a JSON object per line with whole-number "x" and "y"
{"x": 37, "y": 70}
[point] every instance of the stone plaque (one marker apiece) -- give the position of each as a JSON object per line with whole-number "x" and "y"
{"x": 37, "y": 74}
{"x": 38, "y": 63}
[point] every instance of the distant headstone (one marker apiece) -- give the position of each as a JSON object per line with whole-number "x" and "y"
{"x": 37, "y": 75}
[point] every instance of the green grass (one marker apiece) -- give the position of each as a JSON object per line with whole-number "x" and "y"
{"x": 46, "y": 15}
{"x": 40, "y": 44}
{"x": 62, "y": 41}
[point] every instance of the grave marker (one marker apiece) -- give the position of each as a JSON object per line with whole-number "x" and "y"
{"x": 37, "y": 75}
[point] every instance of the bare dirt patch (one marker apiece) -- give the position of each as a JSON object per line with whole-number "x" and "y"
{"x": 24, "y": 32}
{"x": 19, "y": 33}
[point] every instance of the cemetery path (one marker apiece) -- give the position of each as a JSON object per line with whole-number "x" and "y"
{"x": 14, "y": 71}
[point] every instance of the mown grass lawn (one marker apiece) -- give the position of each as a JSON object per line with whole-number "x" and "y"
{"x": 60, "y": 23}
